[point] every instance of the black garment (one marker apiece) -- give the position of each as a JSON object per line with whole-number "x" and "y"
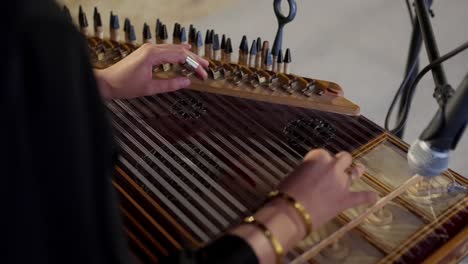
{"x": 58, "y": 205}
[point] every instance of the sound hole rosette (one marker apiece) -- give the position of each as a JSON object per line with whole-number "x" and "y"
{"x": 311, "y": 132}
{"x": 189, "y": 108}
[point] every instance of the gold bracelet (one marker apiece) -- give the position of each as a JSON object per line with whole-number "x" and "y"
{"x": 274, "y": 242}
{"x": 298, "y": 206}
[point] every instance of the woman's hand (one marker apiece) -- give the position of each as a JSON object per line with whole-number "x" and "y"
{"x": 133, "y": 76}
{"x": 321, "y": 183}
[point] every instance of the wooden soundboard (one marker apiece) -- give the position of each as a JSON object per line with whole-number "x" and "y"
{"x": 194, "y": 162}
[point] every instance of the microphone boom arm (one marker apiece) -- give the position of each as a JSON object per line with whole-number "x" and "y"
{"x": 429, "y": 156}
{"x": 449, "y": 123}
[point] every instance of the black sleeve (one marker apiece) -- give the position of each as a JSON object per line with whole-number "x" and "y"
{"x": 58, "y": 204}
{"x": 57, "y": 151}
{"x": 228, "y": 249}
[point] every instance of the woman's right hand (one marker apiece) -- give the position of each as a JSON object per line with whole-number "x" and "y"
{"x": 321, "y": 183}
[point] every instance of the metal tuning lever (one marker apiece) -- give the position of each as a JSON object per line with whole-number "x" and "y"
{"x": 282, "y": 21}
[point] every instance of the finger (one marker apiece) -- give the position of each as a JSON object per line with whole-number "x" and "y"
{"x": 200, "y": 70}
{"x": 343, "y": 160}
{"x": 355, "y": 172}
{"x": 360, "y": 169}
{"x": 160, "y": 56}
{"x": 355, "y": 199}
{"x": 352, "y": 176}
{"x": 156, "y": 48}
{"x": 174, "y": 46}
{"x": 204, "y": 63}
{"x": 320, "y": 155}
{"x": 198, "y": 58}
{"x": 167, "y": 85}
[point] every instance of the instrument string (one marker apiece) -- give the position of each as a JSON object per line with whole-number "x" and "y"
{"x": 341, "y": 126}
{"x": 200, "y": 145}
{"x": 229, "y": 150}
{"x": 243, "y": 194}
{"x": 170, "y": 175}
{"x": 345, "y": 144}
{"x": 268, "y": 127}
{"x": 195, "y": 168}
{"x": 444, "y": 235}
{"x": 288, "y": 162}
{"x": 260, "y": 185}
{"x": 139, "y": 129}
{"x": 274, "y": 127}
{"x": 295, "y": 253}
{"x": 192, "y": 180}
{"x": 253, "y": 159}
{"x": 272, "y": 139}
{"x": 229, "y": 127}
{"x": 358, "y": 129}
{"x": 226, "y": 169}
{"x": 176, "y": 209}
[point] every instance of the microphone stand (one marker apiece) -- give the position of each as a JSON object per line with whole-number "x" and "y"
{"x": 443, "y": 90}
{"x": 429, "y": 155}
{"x": 412, "y": 71}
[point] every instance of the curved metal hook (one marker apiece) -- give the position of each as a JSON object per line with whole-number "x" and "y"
{"x": 292, "y": 11}
{"x": 282, "y": 21}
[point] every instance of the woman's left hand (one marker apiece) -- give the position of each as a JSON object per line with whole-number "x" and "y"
{"x": 133, "y": 76}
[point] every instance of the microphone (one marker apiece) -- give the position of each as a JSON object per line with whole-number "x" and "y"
{"x": 429, "y": 155}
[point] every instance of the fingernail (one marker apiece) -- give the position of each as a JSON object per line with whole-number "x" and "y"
{"x": 361, "y": 166}
{"x": 184, "y": 82}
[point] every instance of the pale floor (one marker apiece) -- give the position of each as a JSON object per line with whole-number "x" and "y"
{"x": 360, "y": 44}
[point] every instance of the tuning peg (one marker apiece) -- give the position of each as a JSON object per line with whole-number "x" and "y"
{"x": 131, "y": 35}
{"x": 98, "y": 31}
{"x": 243, "y": 51}
{"x": 287, "y": 61}
{"x": 157, "y": 29}
{"x": 115, "y": 26}
{"x": 228, "y": 51}
{"x": 183, "y": 36}
{"x": 253, "y": 53}
{"x": 66, "y": 14}
{"x": 279, "y": 62}
{"x": 216, "y": 48}
{"x": 83, "y": 21}
{"x": 164, "y": 37}
{"x": 208, "y": 44}
{"x": 147, "y": 38}
{"x": 198, "y": 43}
{"x": 126, "y": 29}
{"x": 265, "y": 50}
{"x": 176, "y": 34}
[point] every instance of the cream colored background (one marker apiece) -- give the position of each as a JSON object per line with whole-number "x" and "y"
{"x": 140, "y": 11}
